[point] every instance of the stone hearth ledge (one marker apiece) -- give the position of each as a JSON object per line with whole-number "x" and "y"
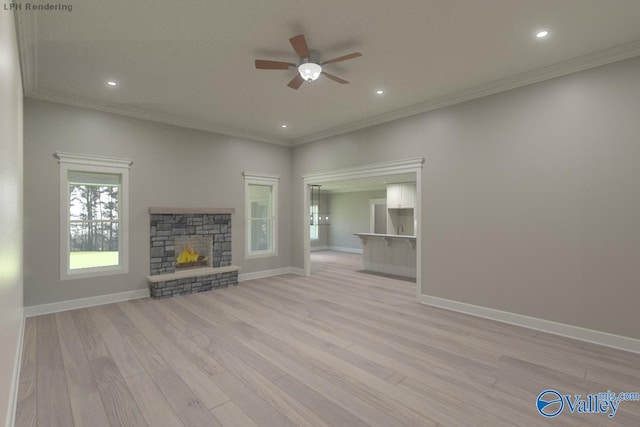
{"x": 194, "y": 272}
{"x": 178, "y": 211}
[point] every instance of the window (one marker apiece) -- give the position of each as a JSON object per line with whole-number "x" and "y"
{"x": 314, "y": 220}
{"x": 94, "y": 228}
{"x": 261, "y": 192}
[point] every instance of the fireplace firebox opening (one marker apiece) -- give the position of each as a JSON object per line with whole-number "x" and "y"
{"x": 193, "y": 252}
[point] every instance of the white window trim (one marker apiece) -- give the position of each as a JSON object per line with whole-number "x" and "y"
{"x": 260, "y": 179}
{"x": 82, "y": 162}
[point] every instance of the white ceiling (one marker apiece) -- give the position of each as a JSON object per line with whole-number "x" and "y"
{"x": 192, "y": 62}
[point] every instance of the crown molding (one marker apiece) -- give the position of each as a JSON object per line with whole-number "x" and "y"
{"x": 26, "y": 28}
{"x": 585, "y": 62}
{"x": 76, "y": 101}
{"x": 26, "y": 31}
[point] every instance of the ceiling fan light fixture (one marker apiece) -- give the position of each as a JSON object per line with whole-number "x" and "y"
{"x": 309, "y": 68}
{"x": 309, "y": 71}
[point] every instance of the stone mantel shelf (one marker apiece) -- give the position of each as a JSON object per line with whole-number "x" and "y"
{"x": 194, "y": 272}
{"x": 173, "y": 211}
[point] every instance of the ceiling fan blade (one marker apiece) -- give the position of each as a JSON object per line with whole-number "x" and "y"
{"x": 262, "y": 64}
{"x": 300, "y": 46}
{"x": 343, "y": 58}
{"x": 335, "y": 78}
{"x": 296, "y": 82}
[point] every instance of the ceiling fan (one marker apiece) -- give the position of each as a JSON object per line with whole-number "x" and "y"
{"x": 309, "y": 68}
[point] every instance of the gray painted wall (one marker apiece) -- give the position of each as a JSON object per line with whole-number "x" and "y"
{"x": 11, "y": 223}
{"x": 172, "y": 166}
{"x": 530, "y": 198}
{"x": 350, "y": 214}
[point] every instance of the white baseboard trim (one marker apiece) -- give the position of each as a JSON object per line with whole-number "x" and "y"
{"x": 583, "y": 334}
{"x": 15, "y": 379}
{"x": 268, "y": 273}
{"x": 336, "y": 248}
{"x": 298, "y": 271}
{"x": 345, "y": 249}
{"x": 55, "y": 307}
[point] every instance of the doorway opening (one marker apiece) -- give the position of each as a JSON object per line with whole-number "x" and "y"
{"x": 378, "y": 216}
{"x": 356, "y": 200}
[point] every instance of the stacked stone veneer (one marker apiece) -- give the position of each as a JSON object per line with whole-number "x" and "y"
{"x": 191, "y": 285}
{"x": 166, "y": 228}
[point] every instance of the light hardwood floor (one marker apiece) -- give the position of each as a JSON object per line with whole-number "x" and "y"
{"x": 339, "y": 348}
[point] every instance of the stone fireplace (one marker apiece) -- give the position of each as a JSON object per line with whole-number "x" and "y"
{"x": 190, "y": 251}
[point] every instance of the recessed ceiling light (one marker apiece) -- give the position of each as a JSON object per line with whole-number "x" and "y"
{"x": 112, "y": 83}
{"x": 283, "y": 126}
{"x": 379, "y": 92}
{"x": 542, "y": 34}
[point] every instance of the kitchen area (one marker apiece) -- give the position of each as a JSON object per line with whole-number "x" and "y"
{"x": 366, "y": 218}
{"x": 374, "y": 217}
{"x": 390, "y": 246}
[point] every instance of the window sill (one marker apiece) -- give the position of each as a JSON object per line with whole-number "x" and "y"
{"x": 86, "y": 273}
{"x": 261, "y": 255}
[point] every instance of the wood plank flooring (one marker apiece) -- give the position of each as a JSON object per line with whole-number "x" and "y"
{"x": 339, "y": 348}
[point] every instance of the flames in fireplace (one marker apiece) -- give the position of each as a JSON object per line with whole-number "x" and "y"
{"x": 189, "y": 257}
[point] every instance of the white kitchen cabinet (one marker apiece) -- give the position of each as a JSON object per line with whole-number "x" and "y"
{"x": 401, "y": 196}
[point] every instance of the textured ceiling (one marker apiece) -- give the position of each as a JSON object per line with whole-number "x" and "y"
{"x": 191, "y": 62}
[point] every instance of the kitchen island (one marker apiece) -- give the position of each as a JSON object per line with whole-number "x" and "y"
{"x": 389, "y": 254}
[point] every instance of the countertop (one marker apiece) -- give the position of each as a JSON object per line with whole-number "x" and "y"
{"x": 386, "y": 236}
